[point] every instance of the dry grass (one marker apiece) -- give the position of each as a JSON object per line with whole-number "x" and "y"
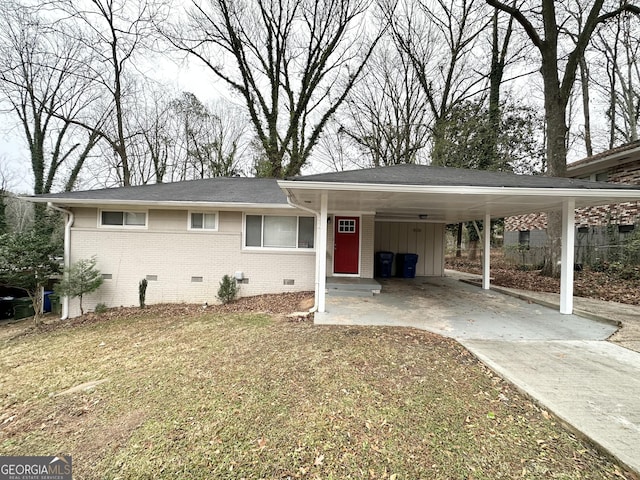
{"x": 245, "y": 395}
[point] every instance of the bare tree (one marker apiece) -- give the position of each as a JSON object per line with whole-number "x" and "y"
{"x": 550, "y": 27}
{"x": 181, "y": 138}
{"x": 42, "y": 79}
{"x": 114, "y": 31}
{"x": 503, "y": 55}
{"x": 619, "y": 43}
{"x": 385, "y": 113}
{"x": 546, "y": 25}
{"x": 293, "y": 61}
{"x": 334, "y": 150}
{"x": 440, "y": 38}
{"x": 6, "y": 179}
{"x": 213, "y": 138}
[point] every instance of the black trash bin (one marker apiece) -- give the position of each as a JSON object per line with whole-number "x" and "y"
{"x": 22, "y": 308}
{"x": 406, "y": 265}
{"x": 384, "y": 261}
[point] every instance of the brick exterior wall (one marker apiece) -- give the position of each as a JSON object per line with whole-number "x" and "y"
{"x": 173, "y": 254}
{"x": 621, "y": 214}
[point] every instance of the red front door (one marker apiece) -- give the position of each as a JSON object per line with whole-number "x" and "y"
{"x": 346, "y": 252}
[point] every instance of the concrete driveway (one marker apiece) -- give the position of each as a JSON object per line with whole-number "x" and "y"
{"x": 562, "y": 361}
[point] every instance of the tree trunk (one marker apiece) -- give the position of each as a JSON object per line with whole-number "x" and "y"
{"x": 555, "y": 116}
{"x": 584, "y": 80}
{"x": 473, "y": 250}
{"x": 459, "y": 241}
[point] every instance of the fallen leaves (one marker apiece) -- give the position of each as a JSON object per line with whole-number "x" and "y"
{"x": 587, "y": 283}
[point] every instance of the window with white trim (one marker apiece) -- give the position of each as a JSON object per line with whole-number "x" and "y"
{"x": 273, "y": 231}
{"x": 203, "y": 221}
{"x": 120, "y": 218}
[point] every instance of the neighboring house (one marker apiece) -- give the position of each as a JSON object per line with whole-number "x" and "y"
{"x": 596, "y": 227}
{"x": 290, "y": 235}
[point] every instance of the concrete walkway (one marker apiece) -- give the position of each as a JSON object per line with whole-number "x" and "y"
{"x": 562, "y": 361}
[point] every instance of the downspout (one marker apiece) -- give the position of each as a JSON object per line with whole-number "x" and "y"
{"x": 67, "y": 250}
{"x": 317, "y": 280}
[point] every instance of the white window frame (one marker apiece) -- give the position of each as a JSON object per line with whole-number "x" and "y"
{"x": 277, "y": 249}
{"x": 124, "y": 212}
{"x": 203, "y": 229}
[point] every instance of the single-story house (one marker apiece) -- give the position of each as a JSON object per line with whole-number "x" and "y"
{"x": 597, "y": 227}
{"x": 290, "y": 235}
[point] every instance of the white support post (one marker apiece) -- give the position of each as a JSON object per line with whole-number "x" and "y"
{"x": 321, "y": 253}
{"x": 486, "y": 253}
{"x": 566, "y": 264}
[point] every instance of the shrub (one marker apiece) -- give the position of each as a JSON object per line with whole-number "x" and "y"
{"x": 142, "y": 292}
{"x": 228, "y": 289}
{"x": 79, "y": 279}
{"x": 100, "y": 308}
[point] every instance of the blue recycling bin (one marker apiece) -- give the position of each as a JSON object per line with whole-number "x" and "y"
{"x": 406, "y": 265}
{"x": 46, "y": 305}
{"x": 384, "y": 262}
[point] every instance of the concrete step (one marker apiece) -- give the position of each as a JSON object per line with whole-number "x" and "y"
{"x": 333, "y": 292}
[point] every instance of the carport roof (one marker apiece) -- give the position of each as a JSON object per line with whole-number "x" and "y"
{"x": 448, "y": 176}
{"x": 449, "y": 195}
{"x": 436, "y": 194}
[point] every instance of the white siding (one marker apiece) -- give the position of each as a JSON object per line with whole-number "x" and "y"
{"x": 425, "y": 239}
{"x": 367, "y": 226}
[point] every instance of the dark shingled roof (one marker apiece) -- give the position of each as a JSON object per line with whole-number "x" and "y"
{"x": 267, "y": 191}
{"x": 217, "y": 190}
{"x": 447, "y": 176}
{"x": 603, "y": 155}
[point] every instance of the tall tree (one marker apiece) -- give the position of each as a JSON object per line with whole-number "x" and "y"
{"x": 441, "y": 40}
{"x": 42, "y": 79}
{"x": 116, "y": 32}
{"x": 293, "y": 62}
{"x": 385, "y": 112}
{"x": 619, "y": 43}
{"x": 501, "y": 58}
{"x": 545, "y": 24}
{"x": 469, "y": 129}
{"x": 550, "y": 26}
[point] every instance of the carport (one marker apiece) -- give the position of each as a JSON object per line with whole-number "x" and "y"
{"x": 440, "y": 195}
{"x": 451, "y": 308}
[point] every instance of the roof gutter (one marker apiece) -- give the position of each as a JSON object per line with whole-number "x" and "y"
{"x": 317, "y": 279}
{"x": 69, "y": 218}
{"x": 629, "y": 191}
{"x": 156, "y": 204}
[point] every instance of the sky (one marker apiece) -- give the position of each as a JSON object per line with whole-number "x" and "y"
{"x": 179, "y": 75}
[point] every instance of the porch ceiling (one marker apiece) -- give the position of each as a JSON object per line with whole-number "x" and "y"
{"x": 446, "y": 204}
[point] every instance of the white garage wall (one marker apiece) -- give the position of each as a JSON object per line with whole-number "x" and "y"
{"x": 425, "y": 239}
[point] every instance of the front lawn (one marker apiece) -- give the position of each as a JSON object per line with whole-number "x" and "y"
{"x": 246, "y": 395}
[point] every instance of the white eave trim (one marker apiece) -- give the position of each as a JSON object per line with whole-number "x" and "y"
{"x": 461, "y": 190}
{"x": 158, "y": 204}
